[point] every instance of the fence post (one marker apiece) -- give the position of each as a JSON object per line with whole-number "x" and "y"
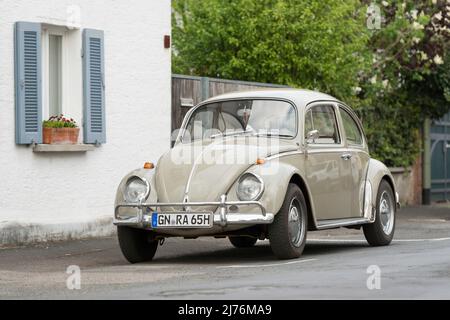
{"x": 205, "y": 88}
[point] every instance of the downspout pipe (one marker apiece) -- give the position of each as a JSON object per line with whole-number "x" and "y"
{"x": 426, "y": 163}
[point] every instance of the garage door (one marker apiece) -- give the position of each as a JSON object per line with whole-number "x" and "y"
{"x": 440, "y": 159}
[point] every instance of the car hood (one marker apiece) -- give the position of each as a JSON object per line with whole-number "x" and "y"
{"x": 206, "y": 170}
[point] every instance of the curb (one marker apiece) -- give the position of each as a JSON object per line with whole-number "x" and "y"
{"x": 16, "y": 233}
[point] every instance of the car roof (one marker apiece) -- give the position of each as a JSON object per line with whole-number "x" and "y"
{"x": 300, "y": 97}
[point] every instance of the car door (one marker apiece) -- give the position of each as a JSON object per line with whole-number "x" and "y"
{"x": 328, "y": 172}
{"x": 356, "y": 146}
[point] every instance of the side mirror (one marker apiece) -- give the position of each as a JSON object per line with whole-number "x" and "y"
{"x": 312, "y": 135}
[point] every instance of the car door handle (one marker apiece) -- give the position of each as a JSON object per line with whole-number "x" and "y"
{"x": 346, "y": 156}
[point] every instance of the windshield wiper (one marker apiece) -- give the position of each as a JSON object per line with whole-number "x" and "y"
{"x": 231, "y": 133}
{"x": 270, "y": 134}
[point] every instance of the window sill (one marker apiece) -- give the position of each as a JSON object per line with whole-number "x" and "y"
{"x": 63, "y": 147}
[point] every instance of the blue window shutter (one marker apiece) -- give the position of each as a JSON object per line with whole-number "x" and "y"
{"x": 94, "y": 86}
{"x": 28, "y": 82}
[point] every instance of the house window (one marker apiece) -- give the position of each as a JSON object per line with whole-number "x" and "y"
{"x": 59, "y": 70}
{"x": 55, "y": 74}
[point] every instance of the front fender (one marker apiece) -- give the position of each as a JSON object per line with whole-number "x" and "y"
{"x": 147, "y": 174}
{"x": 276, "y": 176}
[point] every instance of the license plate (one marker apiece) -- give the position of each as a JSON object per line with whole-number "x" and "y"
{"x": 182, "y": 220}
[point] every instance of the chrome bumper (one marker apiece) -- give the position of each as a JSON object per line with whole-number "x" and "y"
{"x": 222, "y": 216}
{"x": 397, "y": 200}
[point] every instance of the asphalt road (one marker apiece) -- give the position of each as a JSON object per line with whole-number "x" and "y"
{"x": 334, "y": 266}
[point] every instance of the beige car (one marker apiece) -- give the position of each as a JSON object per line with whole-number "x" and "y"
{"x": 269, "y": 164}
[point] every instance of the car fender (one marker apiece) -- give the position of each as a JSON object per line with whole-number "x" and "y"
{"x": 145, "y": 174}
{"x": 276, "y": 176}
{"x": 376, "y": 172}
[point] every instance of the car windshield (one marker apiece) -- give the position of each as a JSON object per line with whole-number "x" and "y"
{"x": 240, "y": 117}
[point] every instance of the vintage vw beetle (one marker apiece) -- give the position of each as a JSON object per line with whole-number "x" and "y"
{"x": 256, "y": 165}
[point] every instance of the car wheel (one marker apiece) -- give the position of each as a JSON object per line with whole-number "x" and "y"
{"x": 136, "y": 244}
{"x": 381, "y": 232}
{"x": 243, "y": 242}
{"x": 287, "y": 233}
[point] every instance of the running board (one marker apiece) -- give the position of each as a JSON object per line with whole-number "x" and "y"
{"x": 336, "y": 223}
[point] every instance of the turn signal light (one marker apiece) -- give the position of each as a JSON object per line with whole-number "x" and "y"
{"x": 260, "y": 161}
{"x": 149, "y": 165}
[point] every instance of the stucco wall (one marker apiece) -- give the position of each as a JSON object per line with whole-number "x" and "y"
{"x": 64, "y": 195}
{"x": 409, "y": 183}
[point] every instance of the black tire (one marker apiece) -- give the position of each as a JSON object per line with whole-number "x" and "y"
{"x": 283, "y": 245}
{"x": 242, "y": 241}
{"x": 376, "y": 233}
{"x": 136, "y": 244}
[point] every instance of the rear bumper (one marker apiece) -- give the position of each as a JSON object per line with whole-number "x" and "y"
{"x": 397, "y": 200}
{"x": 222, "y": 216}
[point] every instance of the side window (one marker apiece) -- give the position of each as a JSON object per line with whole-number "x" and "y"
{"x": 323, "y": 119}
{"x": 352, "y": 131}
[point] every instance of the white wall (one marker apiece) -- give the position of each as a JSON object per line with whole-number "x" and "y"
{"x": 69, "y": 189}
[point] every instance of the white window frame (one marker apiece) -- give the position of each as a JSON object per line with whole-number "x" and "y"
{"x": 48, "y": 30}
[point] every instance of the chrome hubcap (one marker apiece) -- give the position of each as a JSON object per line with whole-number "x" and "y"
{"x": 295, "y": 223}
{"x": 386, "y": 209}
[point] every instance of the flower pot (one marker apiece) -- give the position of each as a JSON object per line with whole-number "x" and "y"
{"x": 61, "y": 135}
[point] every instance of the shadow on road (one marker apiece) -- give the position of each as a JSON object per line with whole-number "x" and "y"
{"x": 259, "y": 253}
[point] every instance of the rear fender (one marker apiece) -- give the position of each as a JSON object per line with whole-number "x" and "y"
{"x": 377, "y": 171}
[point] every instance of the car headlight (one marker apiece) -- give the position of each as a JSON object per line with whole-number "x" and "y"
{"x": 136, "y": 190}
{"x": 250, "y": 187}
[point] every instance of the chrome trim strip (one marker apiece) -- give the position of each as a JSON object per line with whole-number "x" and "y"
{"x": 334, "y": 223}
{"x": 191, "y": 174}
{"x": 325, "y": 150}
{"x": 282, "y": 154}
{"x": 194, "y": 167}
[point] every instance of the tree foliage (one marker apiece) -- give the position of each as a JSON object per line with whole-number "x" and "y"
{"x": 294, "y": 42}
{"x": 407, "y": 82}
{"x": 394, "y": 76}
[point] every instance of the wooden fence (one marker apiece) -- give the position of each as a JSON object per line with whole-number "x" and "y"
{"x": 188, "y": 91}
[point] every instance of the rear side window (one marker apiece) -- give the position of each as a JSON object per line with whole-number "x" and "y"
{"x": 323, "y": 119}
{"x": 352, "y": 132}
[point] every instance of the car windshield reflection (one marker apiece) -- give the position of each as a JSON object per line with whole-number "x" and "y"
{"x": 241, "y": 117}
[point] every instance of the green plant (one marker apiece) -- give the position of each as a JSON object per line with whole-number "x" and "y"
{"x": 409, "y": 78}
{"x": 60, "y": 122}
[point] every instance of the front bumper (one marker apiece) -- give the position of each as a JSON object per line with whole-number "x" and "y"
{"x": 222, "y": 216}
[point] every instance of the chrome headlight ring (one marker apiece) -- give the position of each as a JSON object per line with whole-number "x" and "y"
{"x": 249, "y": 178}
{"x": 137, "y": 189}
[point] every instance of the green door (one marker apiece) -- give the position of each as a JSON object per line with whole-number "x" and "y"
{"x": 440, "y": 159}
